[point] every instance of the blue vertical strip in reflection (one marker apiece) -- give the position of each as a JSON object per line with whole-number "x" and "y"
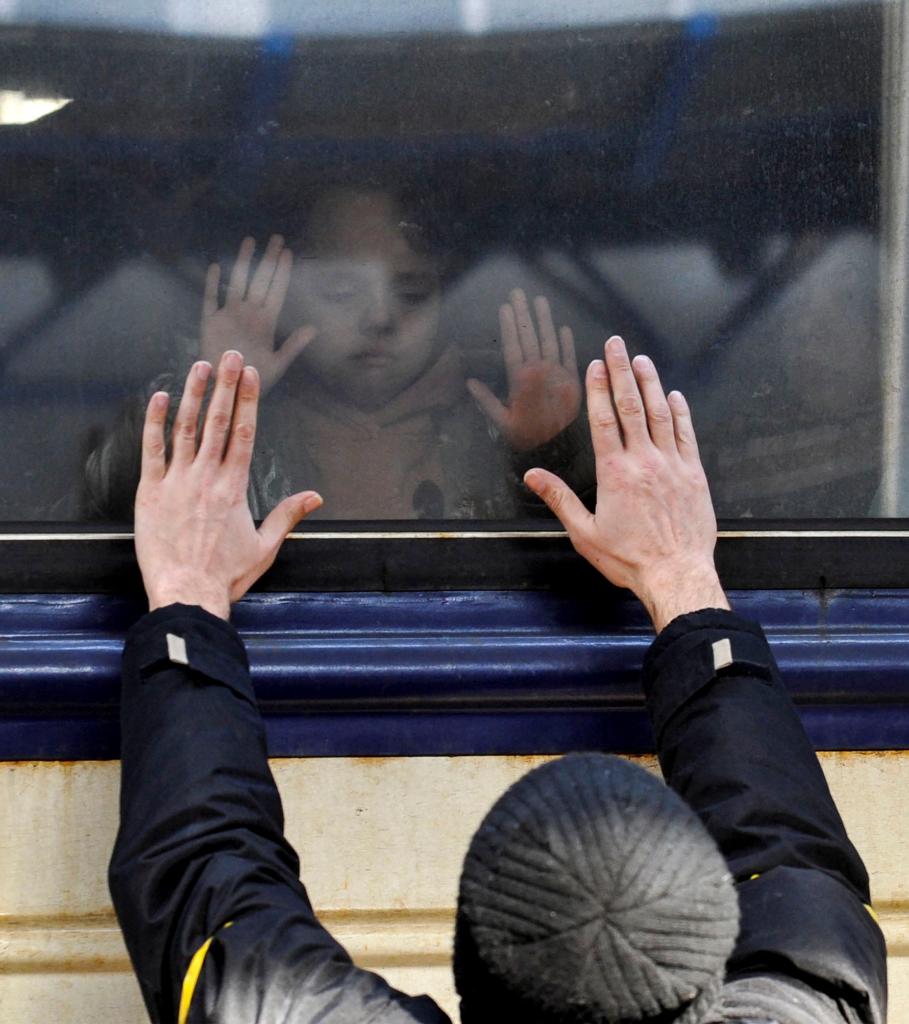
{"x": 270, "y": 77}
{"x": 656, "y": 139}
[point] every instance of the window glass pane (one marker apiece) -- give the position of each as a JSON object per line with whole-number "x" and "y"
{"x": 719, "y": 182}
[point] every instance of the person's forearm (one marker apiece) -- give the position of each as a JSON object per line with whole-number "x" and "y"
{"x": 201, "y": 854}
{"x": 199, "y": 808}
{"x": 731, "y": 743}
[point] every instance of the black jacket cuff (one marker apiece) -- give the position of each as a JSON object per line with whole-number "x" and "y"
{"x": 188, "y": 637}
{"x": 696, "y": 648}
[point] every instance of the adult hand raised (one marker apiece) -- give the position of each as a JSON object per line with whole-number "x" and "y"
{"x": 654, "y": 530}
{"x": 196, "y": 541}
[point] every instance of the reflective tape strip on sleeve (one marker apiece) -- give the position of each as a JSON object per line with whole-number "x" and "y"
{"x": 191, "y": 978}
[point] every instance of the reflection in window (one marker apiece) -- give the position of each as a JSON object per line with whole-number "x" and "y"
{"x": 709, "y": 186}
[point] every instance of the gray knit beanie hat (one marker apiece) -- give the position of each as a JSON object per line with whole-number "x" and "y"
{"x": 593, "y": 894}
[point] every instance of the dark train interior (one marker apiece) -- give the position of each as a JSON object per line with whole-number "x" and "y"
{"x": 711, "y": 188}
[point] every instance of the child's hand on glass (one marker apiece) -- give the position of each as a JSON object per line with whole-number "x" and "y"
{"x": 247, "y": 321}
{"x": 544, "y": 388}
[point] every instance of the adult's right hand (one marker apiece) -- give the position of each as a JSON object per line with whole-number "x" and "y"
{"x": 654, "y": 530}
{"x": 247, "y": 321}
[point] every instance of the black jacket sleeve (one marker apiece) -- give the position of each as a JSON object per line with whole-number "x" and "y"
{"x": 201, "y": 853}
{"x": 730, "y": 742}
{"x": 570, "y": 455}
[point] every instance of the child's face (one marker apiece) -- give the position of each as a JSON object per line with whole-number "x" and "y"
{"x": 372, "y": 297}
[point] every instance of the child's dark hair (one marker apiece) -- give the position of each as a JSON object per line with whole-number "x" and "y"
{"x": 423, "y": 220}
{"x": 114, "y": 464}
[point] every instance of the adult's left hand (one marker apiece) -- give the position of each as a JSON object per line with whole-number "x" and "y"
{"x": 544, "y": 387}
{"x": 196, "y": 541}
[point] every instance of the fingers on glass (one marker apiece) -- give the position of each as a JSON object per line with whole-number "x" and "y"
{"x": 569, "y": 356}
{"x": 186, "y": 425}
{"x": 522, "y": 342}
{"x": 685, "y": 437}
{"x": 212, "y": 282}
{"x": 659, "y": 416}
{"x": 239, "y": 275}
{"x": 560, "y": 498}
{"x": 277, "y": 291}
{"x": 293, "y": 346}
{"x": 511, "y": 347}
{"x": 285, "y": 516}
{"x": 527, "y": 335}
{"x": 153, "y": 446}
{"x": 243, "y": 426}
{"x": 488, "y": 402}
{"x": 265, "y": 272}
{"x": 221, "y": 406}
{"x": 625, "y": 393}
{"x": 604, "y": 426}
{"x": 549, "y": 340}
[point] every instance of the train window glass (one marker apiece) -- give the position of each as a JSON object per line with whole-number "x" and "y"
{"x": 723, "y": 183}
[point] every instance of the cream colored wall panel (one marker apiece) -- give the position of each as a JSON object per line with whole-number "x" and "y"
{"x": 381, "y": 841}
{"x": 870, "y": 790}
{"x": 388, "y": 829}
{"x": 899, "y": 990}
{"x": 57, "y": 827}
{"x": 65, "y": 998}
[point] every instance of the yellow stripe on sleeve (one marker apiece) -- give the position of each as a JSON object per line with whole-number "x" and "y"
{"x": 191, "y": 978}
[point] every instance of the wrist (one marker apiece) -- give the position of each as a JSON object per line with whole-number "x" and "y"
{"x": 679, "y": 589}
{"x": 211, "y": 598}
{"x": 221, "y": 609}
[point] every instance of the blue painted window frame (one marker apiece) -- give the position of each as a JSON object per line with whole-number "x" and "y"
{"x": 450, "y": 672}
